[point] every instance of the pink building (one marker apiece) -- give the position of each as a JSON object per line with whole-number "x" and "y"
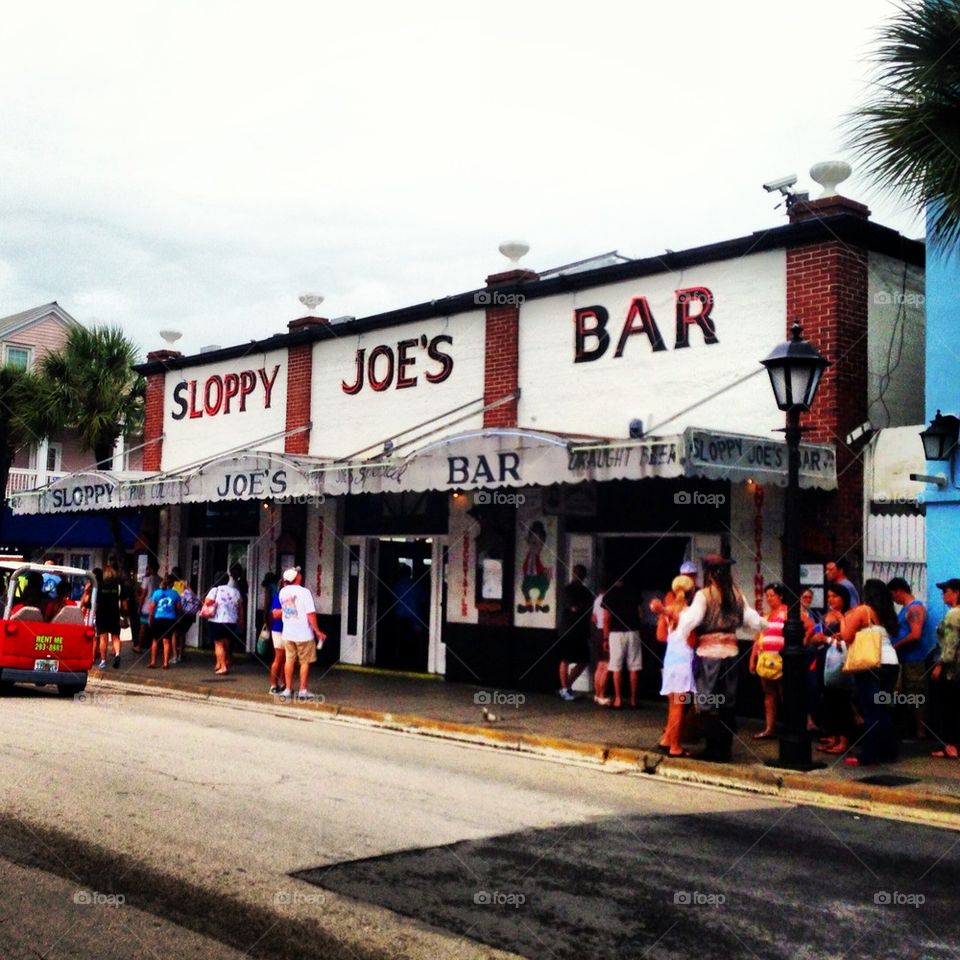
{"x": 25, "y": 339}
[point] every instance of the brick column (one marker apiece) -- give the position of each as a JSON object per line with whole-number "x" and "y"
{"x": 501, "y": 366}
{"x": 153, "y": 411}
{"x": 827, "y": 291}
{"x": 299, "y": 379}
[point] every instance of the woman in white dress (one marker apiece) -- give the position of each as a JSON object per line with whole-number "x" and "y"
{"x": 678, "y": 683}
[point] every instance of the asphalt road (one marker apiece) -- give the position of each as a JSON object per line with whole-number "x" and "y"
{"x": 277, "y": 832}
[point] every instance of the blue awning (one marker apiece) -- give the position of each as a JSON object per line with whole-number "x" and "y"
{"x": 54, "y": 532}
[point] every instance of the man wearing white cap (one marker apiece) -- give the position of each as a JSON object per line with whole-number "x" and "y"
{"x": 301, "y": 635}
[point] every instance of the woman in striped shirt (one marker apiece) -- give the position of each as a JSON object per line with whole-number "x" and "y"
{"x": 770, "y": 639}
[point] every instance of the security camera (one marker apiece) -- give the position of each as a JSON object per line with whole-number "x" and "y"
{"x": 781, "y": 183}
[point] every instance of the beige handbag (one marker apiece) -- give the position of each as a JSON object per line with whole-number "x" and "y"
{"x": 864, "y": 652}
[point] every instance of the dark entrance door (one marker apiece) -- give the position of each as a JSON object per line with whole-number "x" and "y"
{"x": 218, "y": 557}
{"x": 403, "y": 604}
{"x": 647, "y": 565}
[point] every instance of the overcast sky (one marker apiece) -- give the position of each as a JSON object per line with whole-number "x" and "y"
{"x": 198, "y": 165}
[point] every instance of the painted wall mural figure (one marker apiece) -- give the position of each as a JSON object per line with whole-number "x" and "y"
{"x": 536, "y": 577}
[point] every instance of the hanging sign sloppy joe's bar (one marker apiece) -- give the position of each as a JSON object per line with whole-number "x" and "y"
{"x": 508, "y": 458}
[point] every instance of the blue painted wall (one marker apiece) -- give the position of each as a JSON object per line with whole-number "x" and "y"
{"x": 943, "y": 393}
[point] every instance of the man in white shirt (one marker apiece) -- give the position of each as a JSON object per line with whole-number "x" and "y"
{"x": 301, "y": 635}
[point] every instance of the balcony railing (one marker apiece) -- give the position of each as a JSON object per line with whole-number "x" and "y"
{"x": 22, "y": 478}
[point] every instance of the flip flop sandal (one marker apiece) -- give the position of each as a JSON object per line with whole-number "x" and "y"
{"x": 943, "y": 755}
{"x": 764, "y": 736}
{"x": 682, "y": 753}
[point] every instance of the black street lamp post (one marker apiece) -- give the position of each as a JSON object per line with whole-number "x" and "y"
{"x": 795, "y": 368}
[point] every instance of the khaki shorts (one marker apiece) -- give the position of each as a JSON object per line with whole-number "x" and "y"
{"x": 303, "y": 652}
{"x": 625, "y": 651}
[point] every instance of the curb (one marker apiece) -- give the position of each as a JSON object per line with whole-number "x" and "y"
{"x": 890, "y": 802}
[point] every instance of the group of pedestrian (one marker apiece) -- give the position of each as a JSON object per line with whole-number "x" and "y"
{"x": 699, "y": 629}
{"x": 911, "y": 666}
{"x": 916, "y": 676}
{"x": 166, "y": 609}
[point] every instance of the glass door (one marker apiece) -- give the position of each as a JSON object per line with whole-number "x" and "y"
{"x": 358, "y": 601}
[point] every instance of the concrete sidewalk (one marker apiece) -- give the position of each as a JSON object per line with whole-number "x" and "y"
{"x": 922, "y": 788}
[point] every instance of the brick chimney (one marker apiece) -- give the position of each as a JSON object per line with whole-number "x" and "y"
{"x": 827, "y": 207}
{"x": 153, "y": 410}
{"x": 304, "y": 323}
{"x": 299, "y": 385}
{"x": 501, "y": 368}
{"x": 827, "y": 291}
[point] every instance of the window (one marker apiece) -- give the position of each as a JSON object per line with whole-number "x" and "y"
{"x": 19, "y": 357}
{"x": 54, "y": 457}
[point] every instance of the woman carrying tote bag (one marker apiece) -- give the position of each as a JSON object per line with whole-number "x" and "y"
{"x": 875, "y": 621}
{"x": 223, "y": 610}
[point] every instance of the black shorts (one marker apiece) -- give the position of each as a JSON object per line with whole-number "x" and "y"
{"x": 109, "y": 625}
{"x": 223, "y": 632}
{"x": 575, "y": 647}
{"x": 163, "y": 629}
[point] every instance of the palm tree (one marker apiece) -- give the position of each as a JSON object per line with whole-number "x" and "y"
{"x": 908, "y": 135}
{"x": 18, "y": 390}
{"x": 90, "y": 387}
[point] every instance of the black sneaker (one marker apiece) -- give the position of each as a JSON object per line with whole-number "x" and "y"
{"x": 116, "y": 662}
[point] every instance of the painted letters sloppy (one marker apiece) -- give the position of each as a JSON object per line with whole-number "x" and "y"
{"x": 222, "y": 394}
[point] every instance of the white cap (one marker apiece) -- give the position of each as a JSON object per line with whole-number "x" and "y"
{"x": 688, "y": 568}
{"x": 291, "y": 574}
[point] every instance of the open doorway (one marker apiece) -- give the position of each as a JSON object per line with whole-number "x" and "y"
{"x": 404, "y": 581}
{"x": 647, "y": 566}
{"x": 207, "y": 557}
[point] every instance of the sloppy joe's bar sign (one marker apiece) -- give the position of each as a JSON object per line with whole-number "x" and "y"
{"x": 466, "y": 463}
{"x": 731, "y": 456}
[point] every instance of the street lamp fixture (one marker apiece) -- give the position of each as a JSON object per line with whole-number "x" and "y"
{"x": 795, "y": 367}
{"x": 940, "y": 438}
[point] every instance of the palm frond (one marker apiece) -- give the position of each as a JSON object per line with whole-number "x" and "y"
{"x": 907, "y": 137}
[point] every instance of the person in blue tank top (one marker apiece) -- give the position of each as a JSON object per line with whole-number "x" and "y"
{"x": 914, "y": 645}
{"x": 164, "y": 613}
